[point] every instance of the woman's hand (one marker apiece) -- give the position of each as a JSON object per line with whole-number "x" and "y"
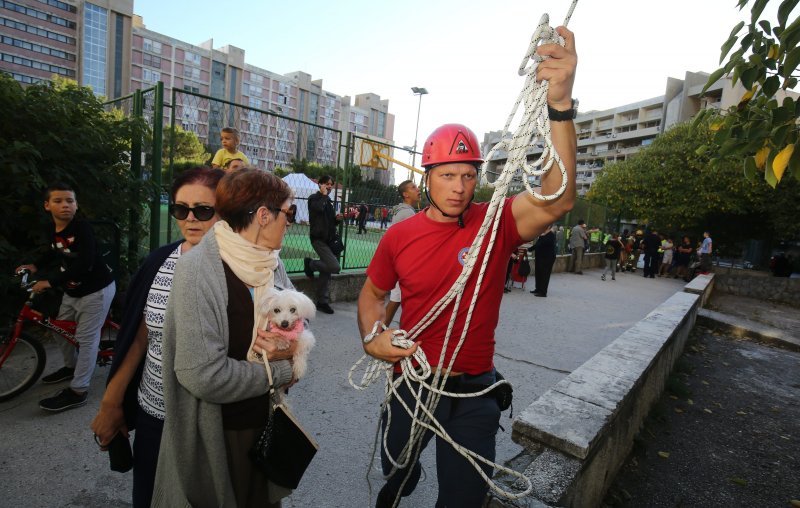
{"x": 109, "y": 421}
{"x": 274, "y": 345}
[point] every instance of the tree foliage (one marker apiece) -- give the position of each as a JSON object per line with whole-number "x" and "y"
{"x": 760, "y": 129}
{"x": 673, "y": 186}
{"x": 59, "y": 131}
{"x": 188, "y": 148}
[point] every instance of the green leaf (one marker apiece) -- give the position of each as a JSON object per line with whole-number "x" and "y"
{"x": 757, "y": 9}
{"x": 769, "y": 176}
{"x": 725, "y": 48}
{"x": 770, "y": 86}
{"x": 750, "y": 170}
{"x": 749, "y": 76}
{"x": 764, "y": 24}
{"x": 785, "y": 9}
{"x": 781, "y": 115}
{"x": 790, "y": 35}
{"x": 701, "y": 150}
{"x": 790, "y": 63}
{"x": 778, "y": 136}
{"x": 713, "y": 78}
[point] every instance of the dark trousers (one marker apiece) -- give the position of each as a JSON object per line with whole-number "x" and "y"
{"x": 543, "y": 268}
{"x": 147, "y": 440}
{"x": 362, "y": 224}
{"x": 650, "y": 263}
{"x": 471, "y": 422}
{"x": 325, "y": 265}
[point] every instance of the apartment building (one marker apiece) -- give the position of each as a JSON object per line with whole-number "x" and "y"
{"x": 89, "y": 42}
{"x": 615, "y": 134}
{"x": 293, "y": 117}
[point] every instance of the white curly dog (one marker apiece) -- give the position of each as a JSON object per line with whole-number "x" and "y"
{"x": 287, "y": 313}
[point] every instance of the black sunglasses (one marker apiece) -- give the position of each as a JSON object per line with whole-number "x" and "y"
{"x": 201, "y": 213}
{"x": 290, "y": 212}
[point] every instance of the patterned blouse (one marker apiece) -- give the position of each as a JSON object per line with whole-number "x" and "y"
{"x": 151, "y": 389}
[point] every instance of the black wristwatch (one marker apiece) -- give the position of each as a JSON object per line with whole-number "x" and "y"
{"x": 563, "y": 116}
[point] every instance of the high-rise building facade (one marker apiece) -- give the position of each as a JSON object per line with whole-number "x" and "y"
{"x": 615, "y": 134}
{"x": 89, "y": 42}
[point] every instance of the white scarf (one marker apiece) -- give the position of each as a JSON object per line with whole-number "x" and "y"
{"x": 252, "y": 264}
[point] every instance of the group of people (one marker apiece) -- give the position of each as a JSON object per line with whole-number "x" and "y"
{"x": 660, "y": 255}
{"x": 184, "y": 375}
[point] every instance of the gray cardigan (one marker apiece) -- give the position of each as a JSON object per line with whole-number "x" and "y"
{"x": 199, "y": 377}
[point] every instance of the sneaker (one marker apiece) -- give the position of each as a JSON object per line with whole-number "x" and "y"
{"x": 65, "y": 399}
{"x": 307, "y": 268}
{"x": 324, "y": 307}
{"x": 603, "y": 277}
{"x": 62, "y": 374}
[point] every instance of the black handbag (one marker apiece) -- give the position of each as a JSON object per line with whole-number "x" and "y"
{"x": 119, "y": 453}
{"x": 284, "y": 449}
{"x": 336, "y": 245}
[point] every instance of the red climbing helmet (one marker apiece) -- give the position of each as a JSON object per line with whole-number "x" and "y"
{"x": 451, "y": 142}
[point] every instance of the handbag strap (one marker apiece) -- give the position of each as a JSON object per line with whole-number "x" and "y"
{"x": 269, "y": 377}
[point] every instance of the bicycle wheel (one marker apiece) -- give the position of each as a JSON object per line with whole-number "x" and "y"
{"x": 22, "y": 367}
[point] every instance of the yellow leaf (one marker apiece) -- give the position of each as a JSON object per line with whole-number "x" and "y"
{"x": 707, "y": 410}
{"x": 663, "y": 455}
{"x": 781, "y": 160}
{"x": 773, "y": 51}
{"x": 739, "y": 481}
{"x": 761, "y": 157}
{"x": 748, "y": 95}
{"x": 716, "y": 125}
{"x": 678, "y": 410}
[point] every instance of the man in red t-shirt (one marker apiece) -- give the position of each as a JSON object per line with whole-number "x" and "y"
{"x": 426, "y": 254}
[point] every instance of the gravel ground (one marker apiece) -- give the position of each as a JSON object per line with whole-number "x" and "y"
{"x": 725, "y": 433}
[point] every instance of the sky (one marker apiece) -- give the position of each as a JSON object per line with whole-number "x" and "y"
{"x": 464, "y": 52}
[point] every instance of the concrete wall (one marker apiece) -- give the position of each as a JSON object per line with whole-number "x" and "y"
{"x": 578, "y": 434}
{"x": 777, "y": 289}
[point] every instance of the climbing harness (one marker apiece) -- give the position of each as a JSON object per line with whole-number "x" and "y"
{"x": 425, "y": 384}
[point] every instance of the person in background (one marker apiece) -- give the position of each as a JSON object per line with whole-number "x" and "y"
{"x": 134, "y": 398}
{"x": 233, "y": 165}
{"x": 229, "y": 137}
{"x": 544, "y": 258}
{"x": 577, "y": 244}
{"x": 667, "y": 248}
{"x": 88, "y": 286}
{"x": 705, "y": 251}
{"x": 322, "y": 219}
{"x": 613, "y": 249}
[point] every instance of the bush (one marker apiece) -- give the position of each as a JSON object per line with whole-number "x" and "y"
{"x": 59, "y": 131}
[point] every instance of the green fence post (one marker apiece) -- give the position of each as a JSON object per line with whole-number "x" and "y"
{"x": 158, "y": 131}
{"x": 136, "y": 171}
{"x": 171, "y": 154}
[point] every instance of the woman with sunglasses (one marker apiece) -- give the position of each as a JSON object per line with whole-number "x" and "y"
{"x": 133, "y": 397}
{"x": 215, "y": 382}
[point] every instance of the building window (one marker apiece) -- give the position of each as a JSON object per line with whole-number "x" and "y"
{"x": 41, "y": 32}
{"x": 28, "y": 80}
{"x": 254, "y": 102}
{"x": 191, "y": 88}
{"x": 283, "y": 88}
{"x": 38, "y": 48}
{"x": 191, "y": 73}
{"x": 38, "y": 14}
{"x": 95, "y": 36}
{"x": 256, "y": 78}
{"x": 192, "y": 58}
{"x": 59, "y": 5}
{"x": 151, "y": 77}
{"x": 151, "y": 46}
{"x": 34, "y": 64}
{"x": 151, "y": 60}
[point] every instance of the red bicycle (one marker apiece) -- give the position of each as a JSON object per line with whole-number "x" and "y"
{"x": 22, "y": 357}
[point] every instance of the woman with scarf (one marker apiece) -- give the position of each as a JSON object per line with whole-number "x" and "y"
{"x": 215, "y": 385}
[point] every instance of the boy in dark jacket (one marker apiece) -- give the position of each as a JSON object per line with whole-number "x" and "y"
{"x": 88, "y": 286}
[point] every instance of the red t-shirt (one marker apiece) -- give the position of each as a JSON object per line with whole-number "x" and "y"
{"x": 427, "y": 257}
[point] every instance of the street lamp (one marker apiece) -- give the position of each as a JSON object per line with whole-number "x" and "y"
{"x": 418, "y": 90}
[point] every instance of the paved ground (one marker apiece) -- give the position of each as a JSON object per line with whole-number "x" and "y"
{"x": 52, "y": 461}
{"x": 726, "y": 432}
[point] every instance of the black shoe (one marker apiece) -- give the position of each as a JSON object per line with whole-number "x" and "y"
{"x": 65, "y": 399}
{"x": 540, "y": 295}
{"x": 534, "y": 292}
{"x": 307, "y": 268}
{"x": 506, "y": 290}
{"x": 324, "y": 307}
{"x": 62, "y": 374}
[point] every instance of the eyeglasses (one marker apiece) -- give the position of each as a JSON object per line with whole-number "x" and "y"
{"x": 290, "y": 212}
{"x": 201, "y": 213}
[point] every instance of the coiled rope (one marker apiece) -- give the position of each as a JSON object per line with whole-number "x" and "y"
{"x": 534, "y": 125}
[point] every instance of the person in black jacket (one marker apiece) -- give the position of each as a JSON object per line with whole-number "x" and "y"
{"x": 88, "y": 286}
{"x": 322, "y": 219}
{"x": 544, "y": 257}
{"x": 650, "y": 245}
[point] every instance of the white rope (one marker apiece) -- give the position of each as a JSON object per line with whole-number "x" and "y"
{"x": 534, "y": 125}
